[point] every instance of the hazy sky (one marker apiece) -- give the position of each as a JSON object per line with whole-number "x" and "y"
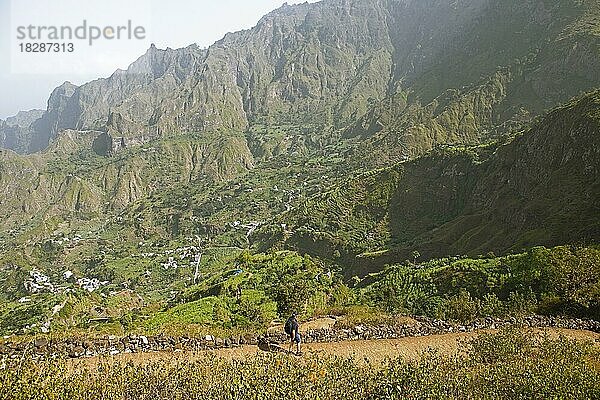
{"x": 171, "y": 23}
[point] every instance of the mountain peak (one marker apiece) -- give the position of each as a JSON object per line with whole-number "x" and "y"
{"x": 325, "y": 65}
{"x": 65, "y": 87}
{"x": 24, "y": 119}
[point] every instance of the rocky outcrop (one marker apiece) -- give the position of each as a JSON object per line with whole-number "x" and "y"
{"x": 24, "y": 119}
{"x": 16, "y": 132}
{"x": 61, "y": 114}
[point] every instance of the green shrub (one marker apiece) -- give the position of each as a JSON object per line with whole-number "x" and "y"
{"x": 460, "y": 307}
{"x": 522, "y": 303}
{"x": 560, "y": 281}
{"x": 491, "y": 306}
{"x": 256, "y": 308}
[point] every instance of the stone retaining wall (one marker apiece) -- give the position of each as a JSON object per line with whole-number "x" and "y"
{"x": 43, "y": 347}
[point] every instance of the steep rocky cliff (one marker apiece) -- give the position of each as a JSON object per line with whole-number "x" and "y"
{"x": 16, "y": 133}
{"x": 324, "y": 65}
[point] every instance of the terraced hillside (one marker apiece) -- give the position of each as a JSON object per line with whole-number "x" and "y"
{"x": 332, "y": 139}
{"x": 539, "y": 188}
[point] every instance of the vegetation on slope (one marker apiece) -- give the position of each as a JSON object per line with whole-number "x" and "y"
{"x": 558, "y": 281}
{"x": 538, "y": 188}
{"x": 156, "y": 212}
{"x": 244, "y": 292}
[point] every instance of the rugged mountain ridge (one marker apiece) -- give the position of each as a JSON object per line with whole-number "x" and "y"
{"x": 323, "y": 65}
{"x": 16, "y": 132}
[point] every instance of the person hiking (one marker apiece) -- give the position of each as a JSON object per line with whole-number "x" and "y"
{"x": 292, "y": 329}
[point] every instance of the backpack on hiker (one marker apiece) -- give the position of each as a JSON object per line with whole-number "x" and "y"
{"x": 290, "y": 325}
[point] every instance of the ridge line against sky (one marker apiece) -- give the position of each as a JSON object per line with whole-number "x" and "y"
{"x": 175, "y": 24}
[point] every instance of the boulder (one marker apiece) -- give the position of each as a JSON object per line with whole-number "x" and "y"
{"x": 76, "y": 352}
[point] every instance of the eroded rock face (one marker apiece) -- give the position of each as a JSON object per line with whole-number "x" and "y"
{"x": 24, "y": 119}
{"x": 326, "y": 65}
{"x": 15, "y": 132}
{"x": 32, "y": 186}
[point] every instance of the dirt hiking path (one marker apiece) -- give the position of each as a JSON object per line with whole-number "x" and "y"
{"x": 409, "y": 347}
{"x": 372, "y": 350}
